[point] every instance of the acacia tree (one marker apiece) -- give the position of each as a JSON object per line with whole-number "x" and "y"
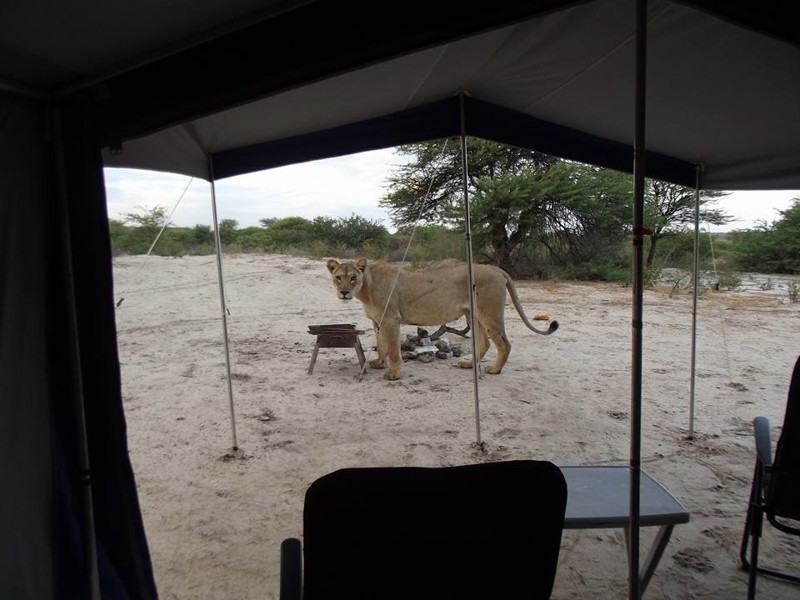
{"x": 670, "y": 208}
{"x": 576, "y": 212}
{"x": 149, "y": 220}
{"x": 518, "y": 197}
{"x": 143, "y": 227}
{"x": 429, "y": 187}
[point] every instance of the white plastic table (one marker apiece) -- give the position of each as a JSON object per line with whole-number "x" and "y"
{"x": 599, "y": 497}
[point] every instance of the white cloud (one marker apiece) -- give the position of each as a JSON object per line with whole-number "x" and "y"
{"x": 750, "y": 207}
{"x": 336, "y": 187}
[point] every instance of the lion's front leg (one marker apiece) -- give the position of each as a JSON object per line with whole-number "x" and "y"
{"x": 380, "y": 347}
{"x": 390, "y": 335}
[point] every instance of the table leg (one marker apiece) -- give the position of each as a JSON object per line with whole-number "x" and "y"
{"x": 313, "y": 358}
{"x": 650, "y": 563}
{"x": 654, "y": 556}
{"x": 360, "y": 351}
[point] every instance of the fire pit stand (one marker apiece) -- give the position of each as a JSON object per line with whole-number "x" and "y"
{"x": 340, "y": 335}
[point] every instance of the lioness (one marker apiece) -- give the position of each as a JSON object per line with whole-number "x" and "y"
{"x": 393, "y": 295}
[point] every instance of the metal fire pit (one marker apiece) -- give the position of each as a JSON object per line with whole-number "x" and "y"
{"x": 338, "y": 335}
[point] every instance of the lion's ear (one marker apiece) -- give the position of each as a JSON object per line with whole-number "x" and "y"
{"x": 360, "y": 264}
{"x": 332, "y": 265}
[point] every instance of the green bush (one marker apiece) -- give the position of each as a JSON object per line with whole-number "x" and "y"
{"x": 793, "y": 291}
{"x": 253, "y": 239}
{"x": 428, "y": 244}
{"x": 592, "y": 271}
{"x": 727, "y": 280}
{"x": 765, "y": 249}
{"x": 770, "y": 248}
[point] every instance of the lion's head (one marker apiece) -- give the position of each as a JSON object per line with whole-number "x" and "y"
{"x": 347, "y": 277}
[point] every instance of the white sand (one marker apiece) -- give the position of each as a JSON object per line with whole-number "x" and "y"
{"x": 215, "y": 519}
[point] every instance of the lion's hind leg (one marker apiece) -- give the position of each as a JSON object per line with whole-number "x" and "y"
{"x": 494, "y": 329}
{"x": 481, "y": 341}
{"x": 503, "y": 350}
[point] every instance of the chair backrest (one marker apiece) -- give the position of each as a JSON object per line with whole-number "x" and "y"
{"x": 490, "y": 530}
{"x": 783, "y": 497}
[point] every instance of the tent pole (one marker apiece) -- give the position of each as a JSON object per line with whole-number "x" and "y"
{"x": 472, "y": 291}
{"x": 634, "y": 583}
{"x": 222, "y": 303}
{"x": 695, "y": 278}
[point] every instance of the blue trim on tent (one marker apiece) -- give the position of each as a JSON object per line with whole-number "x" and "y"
{"x": 513, "y": 128}
{"x": 442, "y": 119}
{"x": 431, "y": 121}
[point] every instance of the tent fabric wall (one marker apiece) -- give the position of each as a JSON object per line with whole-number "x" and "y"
{"x": 59, "y": 365}
{"x": 86, "y": 275}
{"x": 26, "y": 503}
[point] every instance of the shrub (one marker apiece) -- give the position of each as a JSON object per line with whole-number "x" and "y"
{"x": 591, "y": 271}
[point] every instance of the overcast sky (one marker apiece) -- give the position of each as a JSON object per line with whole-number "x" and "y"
{"x": 336, "y": 187}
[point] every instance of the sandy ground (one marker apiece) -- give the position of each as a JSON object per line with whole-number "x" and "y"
{"x": 215, "y": 518}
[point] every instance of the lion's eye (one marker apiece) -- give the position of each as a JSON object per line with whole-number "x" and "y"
{"x": 338, "y": 278}
{"x": 353, "y": 279}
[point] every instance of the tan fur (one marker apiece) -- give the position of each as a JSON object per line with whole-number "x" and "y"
{"x": 394, "y": 295}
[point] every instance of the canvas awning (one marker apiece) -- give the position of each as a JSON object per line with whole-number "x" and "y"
{"x": 559, "y": 82}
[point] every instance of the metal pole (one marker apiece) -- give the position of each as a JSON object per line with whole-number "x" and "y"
{"x": 472, "y": 291}
{"x": 695, "y": 279}
{"x": 222, "y": 303}
{"x": 634, "y": 583}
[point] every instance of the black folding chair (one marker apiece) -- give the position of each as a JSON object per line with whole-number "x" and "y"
{"x": 480, "y": 531}
{"x": 775, "y": 490}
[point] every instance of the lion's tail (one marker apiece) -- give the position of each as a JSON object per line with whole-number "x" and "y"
{"x": 512, "y": 290}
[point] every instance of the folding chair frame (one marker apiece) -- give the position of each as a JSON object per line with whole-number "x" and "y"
{"x": 759, "y": 507}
